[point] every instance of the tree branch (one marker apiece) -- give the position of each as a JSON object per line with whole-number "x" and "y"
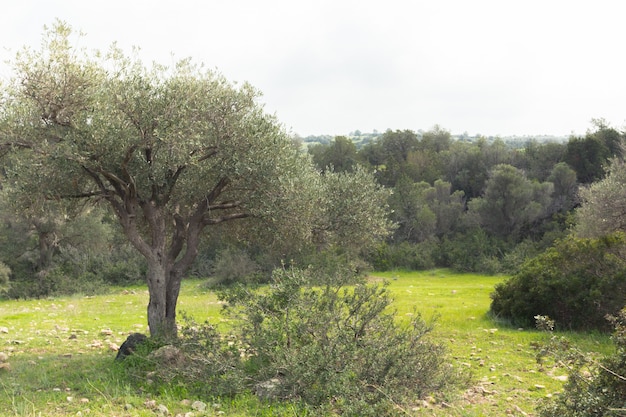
{"x": 224, "y": 205}
{"x": 225, "y": 218}
{"x": 84, "y": 195}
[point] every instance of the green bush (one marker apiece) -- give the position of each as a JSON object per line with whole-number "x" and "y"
{"x": 404, "y": 255}
{"x": 201, "y": 362}
{"x": 333, "y": 349}
{"x": 473, "y": 251}
{"x": 595, "y": 388}
{"x": 577, "y": 282}
{"x": 336, "y": 346}
{"x": 234, "y": 266}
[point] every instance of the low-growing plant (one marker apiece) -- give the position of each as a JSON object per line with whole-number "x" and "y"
{"x": 577, "y": 282}
{"x": 234, "y": 265}
{"x": 595, "y": 388}
{"x": 201, "y": 361}
{"x": 404, "y": 255}
{"x": 472, "y": 251}
{"x": 336, "y": 346}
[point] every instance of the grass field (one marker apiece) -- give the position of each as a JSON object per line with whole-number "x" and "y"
{"x": 60, "y": 352}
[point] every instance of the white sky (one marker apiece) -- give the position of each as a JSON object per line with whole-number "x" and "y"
{"x": 491, "y": 67}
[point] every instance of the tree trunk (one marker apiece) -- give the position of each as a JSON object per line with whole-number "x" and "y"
{"x": 168, "y": 259}
{"x": 163, "y": 290}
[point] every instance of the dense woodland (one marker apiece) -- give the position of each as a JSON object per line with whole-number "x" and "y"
{"x": 471, "y": 204}
{"x": 481, "y": 205}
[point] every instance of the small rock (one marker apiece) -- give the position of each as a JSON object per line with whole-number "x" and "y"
{"x": 69, "y": 399}
{"x": 5, "y": 366}
{"x": 162, "y": 410}
{"x": 198, "y": 406}
{"x": 168, "y": 355}
{"x": 96, "y": 344}
{"x": 106, "y": 332}
{"x": 128, "y": 407}
{"x": 130, "y": 344}
{"x": 3, "y": 357}
{"x": 151, "y": 404}
{"x": 562, "y": 378}
{"x": 268, "y": 389}
{"x": 4, "y": 330}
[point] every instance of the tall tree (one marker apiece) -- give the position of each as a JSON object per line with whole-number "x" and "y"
{"x": 565, "y": 194}
{"x": 467, "y": 169}
{"x": 390, "y": 155}
{"x": 171, "y": 151}
{"x": 415, "y": 219}
{"x": 603, "y": 204}
{"x": 590, "y": 155}
{"x": 511, "y": 202}
{"x": 448, "y": 206}
{"x": 340, "y": 155}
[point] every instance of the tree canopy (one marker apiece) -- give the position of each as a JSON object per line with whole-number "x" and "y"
{"x": 171, "y": 150}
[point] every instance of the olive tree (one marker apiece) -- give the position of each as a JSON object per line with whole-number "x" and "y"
{"x": 170, "y": 151}
{"x": 603, "y": 204}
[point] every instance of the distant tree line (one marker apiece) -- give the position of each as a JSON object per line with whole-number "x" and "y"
{"x": 481, "y": 205}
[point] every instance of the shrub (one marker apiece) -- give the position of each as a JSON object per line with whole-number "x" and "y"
{"x": 577, "y": 283}
{"x": 203, "y": 362}
{"x": 5, "y": 273}
{"x": 595, "y": 388}
{"x": 404, "y": 255}
{"x": 76, "y": 270}
{"x": 473, "y": 251}
{"x": 234, "y": 265}
{"x": 335, "y": 346}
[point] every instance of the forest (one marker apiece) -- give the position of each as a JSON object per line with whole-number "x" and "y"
{"x": 481, "y": 205}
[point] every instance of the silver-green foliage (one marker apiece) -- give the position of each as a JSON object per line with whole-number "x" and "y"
{"x": 337, "y": 347}
{"x": 603, "y": 206}
{"x": 171, "y": 151}
{"x": 595, "y": 387}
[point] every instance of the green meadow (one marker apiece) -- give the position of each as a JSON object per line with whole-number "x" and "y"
{"x": 61, "y": 352}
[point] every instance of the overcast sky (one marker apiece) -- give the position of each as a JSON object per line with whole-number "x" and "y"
{"x": 491, "y": 67}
